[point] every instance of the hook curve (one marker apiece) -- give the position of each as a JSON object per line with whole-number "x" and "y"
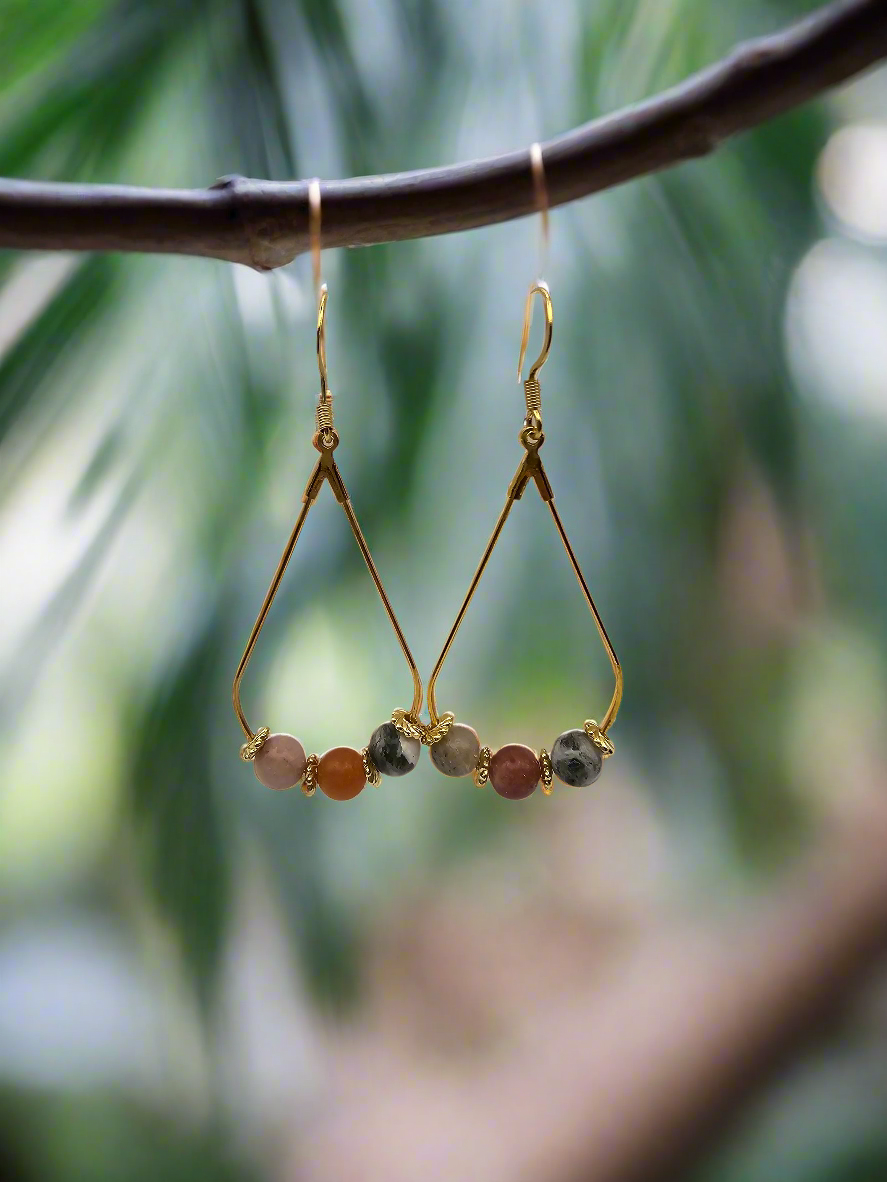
{"x": 321, "y": 292}
{"x": 540, "y": 289}
{"x": 321, "y": 342}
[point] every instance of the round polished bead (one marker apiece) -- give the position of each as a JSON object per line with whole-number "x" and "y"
{"x": 280, "y": 762}
{"x": 340, "y": 773}
{"x": 575, "y": 759}
{"x": 515, "y": 771}
{"x": 393, "y": 753}
{"x": 456, "y": 753}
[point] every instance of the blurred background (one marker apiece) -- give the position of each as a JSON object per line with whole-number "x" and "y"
{"x": 195, "y": 971}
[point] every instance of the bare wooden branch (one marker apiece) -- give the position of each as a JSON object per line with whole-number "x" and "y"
{"x": 265, "y": 223}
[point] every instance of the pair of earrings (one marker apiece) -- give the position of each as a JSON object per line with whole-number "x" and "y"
{"x": 515, "y": 771}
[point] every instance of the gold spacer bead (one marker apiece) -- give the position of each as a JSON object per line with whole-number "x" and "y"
{"x": 309, "y": 780}
{"x": 409, "y": 727}
{"x": 547, "y": 771}
{"x": 482, "y": 771}
{"x": 253, "y": 746}
{"x": 369, "y": 768}
{"x": 597, "y": 736}
{"x": 434, "y": 734}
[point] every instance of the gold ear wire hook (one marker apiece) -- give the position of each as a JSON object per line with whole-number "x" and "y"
{"x": 540, "y": 287}
{"x": 321, "y": 343}
{"x": 324, "y": 413}
{"x": 532, "y": 469}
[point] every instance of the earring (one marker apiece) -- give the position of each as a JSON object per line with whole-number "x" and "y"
{"x": 279, "y": 759}
{"x": 576, "y": 756}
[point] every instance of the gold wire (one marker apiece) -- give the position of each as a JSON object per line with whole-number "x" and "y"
{"x": 324, "y": 470}
{"x": 482, "y": 770}
{"x": 325, "y": 403}
{"x": 531, "y": 385}
{"x": 325, "y": 440}
{"x": 260, "y": 619}
{"x": 540, "y": 287}
{"x": 531, "y": 468}
{"x": 514, "y": 494}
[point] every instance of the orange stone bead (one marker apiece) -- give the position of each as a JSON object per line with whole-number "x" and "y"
{"x": 340, "y": 773}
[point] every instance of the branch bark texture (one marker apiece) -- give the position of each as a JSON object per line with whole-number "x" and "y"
{"x": 265, "y": 223}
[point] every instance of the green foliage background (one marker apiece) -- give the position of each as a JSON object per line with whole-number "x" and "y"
{"x": 159, "y": 412}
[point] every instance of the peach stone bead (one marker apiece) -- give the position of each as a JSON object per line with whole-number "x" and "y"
{"x": 340, "y": 773}
{"x": 280, "y": 762}
{"x": 515, "y": 771}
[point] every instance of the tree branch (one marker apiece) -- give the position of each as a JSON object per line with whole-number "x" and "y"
{"x": 265, "y": 223}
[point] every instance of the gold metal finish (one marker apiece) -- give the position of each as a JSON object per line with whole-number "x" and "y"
{"x": 597, "y": 736}
{"x": 326, "y": 439}
{"x": 531, "y": 468}
{"x": 547, "y": 771}
{"x": 408, "y": 725}
{"x": 439, "y": 730}
{"x": 532, "y": 388}
{"x": 369, "y": 768}
{"x": 309, "y": 780}
{"x": 253, "y": 746}
{"x": 482, "y": 771}
{"x": 539, "y": 288}
{"x": 413, "y": 728}
{"x": 324, "y": 413}
{"x": 324, "y": 470}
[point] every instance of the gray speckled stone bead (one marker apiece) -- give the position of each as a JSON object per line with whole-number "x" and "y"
{"x": 456, "y": 753}
{"x": 393, "y": 753}
{"x": 575, "y": 759}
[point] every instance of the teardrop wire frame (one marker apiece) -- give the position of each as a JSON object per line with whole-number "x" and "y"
{"x": 531, "y": 468}
{"x": 324, "y": 470}
{"x": 514, "y": 494}
{"x": 326, "y": 440}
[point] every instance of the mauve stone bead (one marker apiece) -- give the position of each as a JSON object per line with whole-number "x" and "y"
{"x": 393, "y": 753}
{"x": 280, "y": 762}
{"x": 456, "y": 753}
{"x": 515, "y": 771}
{"x": 340, "y": 773}
{"x": 575, "y": 759}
